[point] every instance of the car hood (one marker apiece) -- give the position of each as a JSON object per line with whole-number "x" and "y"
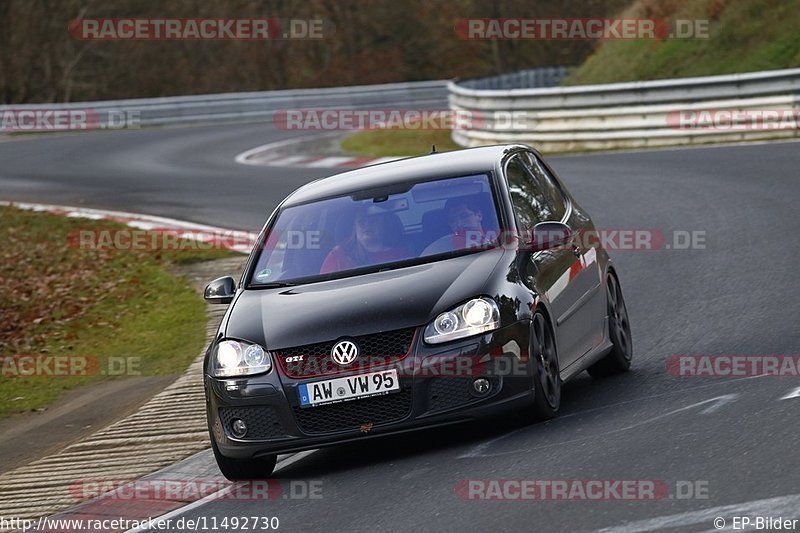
{"x": 358, "y": 305}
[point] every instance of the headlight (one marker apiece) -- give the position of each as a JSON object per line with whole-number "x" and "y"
{"x": 478, "y": 315}
{"x": 238, "y": 358}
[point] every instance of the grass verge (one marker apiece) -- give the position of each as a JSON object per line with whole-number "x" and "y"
{"x": 397, "y": 142}
{"x": 71, "y": 316}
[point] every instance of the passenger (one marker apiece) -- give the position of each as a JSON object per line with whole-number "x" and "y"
{"x": 465, "y": 218}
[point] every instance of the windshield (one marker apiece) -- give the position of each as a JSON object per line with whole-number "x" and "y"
{"x": 378, "y": 227}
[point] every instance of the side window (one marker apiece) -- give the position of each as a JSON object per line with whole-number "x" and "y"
{"x": 530, "y": 205}
{"x": 556, "y": 202}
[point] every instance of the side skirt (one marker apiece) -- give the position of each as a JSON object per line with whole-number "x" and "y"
{"x": 590, "y": 357}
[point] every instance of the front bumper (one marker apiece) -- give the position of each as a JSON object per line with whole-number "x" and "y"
{"x": 435, "y": 389}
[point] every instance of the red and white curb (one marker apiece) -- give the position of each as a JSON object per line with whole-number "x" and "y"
{"x": 221, "y": 238}
{"x": 273, "y": 155}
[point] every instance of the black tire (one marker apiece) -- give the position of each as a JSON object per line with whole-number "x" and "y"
{"x": 243, "y": 469}
{"x": 546, "y": 374}
{"x": 619, "y": 358}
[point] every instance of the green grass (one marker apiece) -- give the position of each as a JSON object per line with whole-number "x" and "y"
{"x": 397, "y": 142}
{"x": 744, "y": 36}
{"x": 59, "y": 300}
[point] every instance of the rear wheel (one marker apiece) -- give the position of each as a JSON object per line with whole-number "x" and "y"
{"x": 241, "y": 469}
{"x": 619, "y": 358}
{"x": 546, "y": 376}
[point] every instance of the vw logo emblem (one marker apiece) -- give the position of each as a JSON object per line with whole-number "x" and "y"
{"x": 344, "y": 352}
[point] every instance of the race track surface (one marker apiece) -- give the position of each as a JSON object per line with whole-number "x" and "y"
{"x": 738, "y": 295}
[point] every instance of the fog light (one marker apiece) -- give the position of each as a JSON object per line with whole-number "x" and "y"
{"x": 238, "y": 428}
{"x": 481, "y": 386}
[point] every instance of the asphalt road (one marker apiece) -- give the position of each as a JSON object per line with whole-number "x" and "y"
{"x": 738, "y": 295}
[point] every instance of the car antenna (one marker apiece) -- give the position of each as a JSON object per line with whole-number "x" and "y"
{"x": 433, "y": 148}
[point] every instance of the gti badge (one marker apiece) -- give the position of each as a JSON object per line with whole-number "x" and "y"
{"x": 344, "y": 352}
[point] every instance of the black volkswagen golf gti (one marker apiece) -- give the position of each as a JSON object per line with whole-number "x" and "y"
{"x": 411, "y": 294}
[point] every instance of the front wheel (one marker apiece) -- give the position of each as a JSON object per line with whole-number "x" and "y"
{"x": 243, "y": 469}
{"x": 619, "y": 358}
{"x": 546, "y": 375}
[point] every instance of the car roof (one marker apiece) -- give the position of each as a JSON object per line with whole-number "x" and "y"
{"x": 458, "y": 162}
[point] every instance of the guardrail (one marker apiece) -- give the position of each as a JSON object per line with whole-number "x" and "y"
{"x": 725, "y": 108}
{"x": 246, "y": 107}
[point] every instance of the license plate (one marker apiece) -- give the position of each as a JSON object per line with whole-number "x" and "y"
{"x": 348, "y": 388}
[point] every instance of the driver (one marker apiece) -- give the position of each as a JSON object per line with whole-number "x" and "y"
{"x": 371, "y": 243}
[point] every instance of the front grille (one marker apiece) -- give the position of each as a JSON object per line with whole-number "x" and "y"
{"x": 376, "y": 349}
{"x": 262, "y": 422}
{"x": 447, "y": 393}
{"x": 355, "y": 414}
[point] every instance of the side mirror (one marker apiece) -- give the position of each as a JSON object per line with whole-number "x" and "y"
{"x": 220, "y": 291}
{"x": 549, "y": 235}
